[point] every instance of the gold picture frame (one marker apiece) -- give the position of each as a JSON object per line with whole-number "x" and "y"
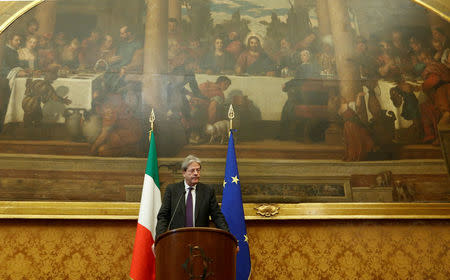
{"x": 253, "y": 211}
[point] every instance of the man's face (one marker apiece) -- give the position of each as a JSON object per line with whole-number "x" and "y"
{"x": 124, "y": 34}
{"x": 31, "y": 43}
{"x": 95, "y": 36}
{"x": 254, "y": 44}
{"x": 396, "y": 36}
{"x": 192, "y": 174}
{"x": 218, "y": 44}
{"x": 108, "y": 41}
{"x": 33, "y": 28}
{"x": 361, "y": 47}
{"x": 224, "y": 85}
{"x": 437, "y": 45}
{"x": 304, "y": 56}
{"x": 15, "y": 42}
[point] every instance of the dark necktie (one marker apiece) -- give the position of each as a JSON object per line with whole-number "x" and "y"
{"x": 189, "y": 209}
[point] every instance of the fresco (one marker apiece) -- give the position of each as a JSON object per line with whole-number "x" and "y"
{"x": 272, "y": 60}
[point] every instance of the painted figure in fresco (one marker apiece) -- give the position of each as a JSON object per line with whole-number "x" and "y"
{"x": 69, "y": 55}
{"x": 358, "y": 142}
{"x": 28, "y": 55}
{"x": 438, "y": 34}
{"x": 403, "y": 94}
{"x": 126, "y": 48}
{"x": 90, "y": 50}
{"x": 437, "y": 86}
{"x": 416, "y": 47}
{"x": 218, "y": 60}
{"x": 46, "y": 52}
{"x": 214, "y": 91}
{"x": 208, "y": 108}
{"x": 326, "y": 58}
{"x": 37, "y": 92}
{"x": 59, "y": 41}
{"x": 388, "y": 67}
{"x": 32, "y": 28}
{"x": 254, "y": 60}
{"x": 440, "y": 54}
{"x": 284, "y": 57}
{"x": 234, "y": 45}
{"x": 308, "y": 69}
{"x": 121, "y": 131}
{"x": 10, "y": 69}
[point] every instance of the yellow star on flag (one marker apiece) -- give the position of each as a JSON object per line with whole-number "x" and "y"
{"x": 224, "y": 183}
{"x": 235, "y": 179}
{"x": 245, "y": 238}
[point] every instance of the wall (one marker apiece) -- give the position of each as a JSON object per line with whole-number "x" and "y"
{"x": 352, "y": 249}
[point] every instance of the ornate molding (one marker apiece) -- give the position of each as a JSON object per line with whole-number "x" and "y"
{"x": 297, "y": 211}
{"x": 267, "y": 210}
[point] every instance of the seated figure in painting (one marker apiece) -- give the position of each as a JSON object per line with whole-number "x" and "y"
{"x": 126, "y": 49}
{"x": 121, "y": 133}
{"x": 234, "y": 45}
{"x": 28, "y": 55}
{"x": 90, "y": 50}
{"x": 284, "y": 57}
{"x": 47, "y": 55}
{"x": 217, "y": 60}
{"x": 37, "y": 92}
{"x": 254, "y": 60}
{"x": 69, "y": 55}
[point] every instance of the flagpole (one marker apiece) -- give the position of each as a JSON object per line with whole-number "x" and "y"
{"x": 231, "y": 117}
{"x": 151, "y": 119}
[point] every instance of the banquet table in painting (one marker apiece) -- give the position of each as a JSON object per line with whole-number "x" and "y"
{"x": 78, "y": 88}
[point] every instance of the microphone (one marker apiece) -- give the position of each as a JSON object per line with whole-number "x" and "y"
{"x": 175, "y": 211}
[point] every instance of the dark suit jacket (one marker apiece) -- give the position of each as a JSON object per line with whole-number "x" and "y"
{"x": 205, "y": 206}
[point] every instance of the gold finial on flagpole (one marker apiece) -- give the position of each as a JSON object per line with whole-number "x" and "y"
{"x": 231, "y": 115}
{"x": 151, "y": 119}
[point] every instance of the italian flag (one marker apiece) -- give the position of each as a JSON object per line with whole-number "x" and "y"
{"x": 143, "y": 262}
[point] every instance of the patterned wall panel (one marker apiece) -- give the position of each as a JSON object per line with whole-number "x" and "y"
{"x": 280, "y": 250}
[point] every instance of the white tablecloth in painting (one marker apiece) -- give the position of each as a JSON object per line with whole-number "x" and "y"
{"x": 264, "y": 92}
{"x": 78, "y": 88}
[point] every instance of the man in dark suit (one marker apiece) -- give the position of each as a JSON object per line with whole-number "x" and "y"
{"x": 189, "y": 203}
{"x": 9, "y": 69}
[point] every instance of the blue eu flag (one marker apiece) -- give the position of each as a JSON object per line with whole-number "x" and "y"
{"x": 233, "y": 211}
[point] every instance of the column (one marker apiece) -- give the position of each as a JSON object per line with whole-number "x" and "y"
{"x": 45, "y": 14}
{"x": 323, "y": 17}
{"x": 155, "y": 52}
{"x": 175, "y": 10}
{"x": 348, "y": 72}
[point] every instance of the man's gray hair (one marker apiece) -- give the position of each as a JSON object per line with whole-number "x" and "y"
{"x": 188, "y": 160}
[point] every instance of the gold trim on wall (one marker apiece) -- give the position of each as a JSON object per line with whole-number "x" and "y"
{"x": 439, "y": 7}
{"x": 298, "y": 211}
{"x": 19, "y": 13}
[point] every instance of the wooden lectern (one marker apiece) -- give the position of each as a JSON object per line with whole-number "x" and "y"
{"x": 196, "y": 253}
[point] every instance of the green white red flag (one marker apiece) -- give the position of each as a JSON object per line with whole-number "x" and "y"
{"x": 143, "y": 261}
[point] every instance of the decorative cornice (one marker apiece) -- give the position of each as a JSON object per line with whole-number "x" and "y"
{"x": 298, "y": 211}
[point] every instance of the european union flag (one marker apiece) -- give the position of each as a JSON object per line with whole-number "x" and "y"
{"x": 233, "y": 210}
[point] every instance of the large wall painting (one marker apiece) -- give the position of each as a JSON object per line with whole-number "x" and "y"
{"x": 74, "y": 82}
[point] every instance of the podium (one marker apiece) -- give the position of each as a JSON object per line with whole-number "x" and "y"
{"x": 196, "y": 253}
